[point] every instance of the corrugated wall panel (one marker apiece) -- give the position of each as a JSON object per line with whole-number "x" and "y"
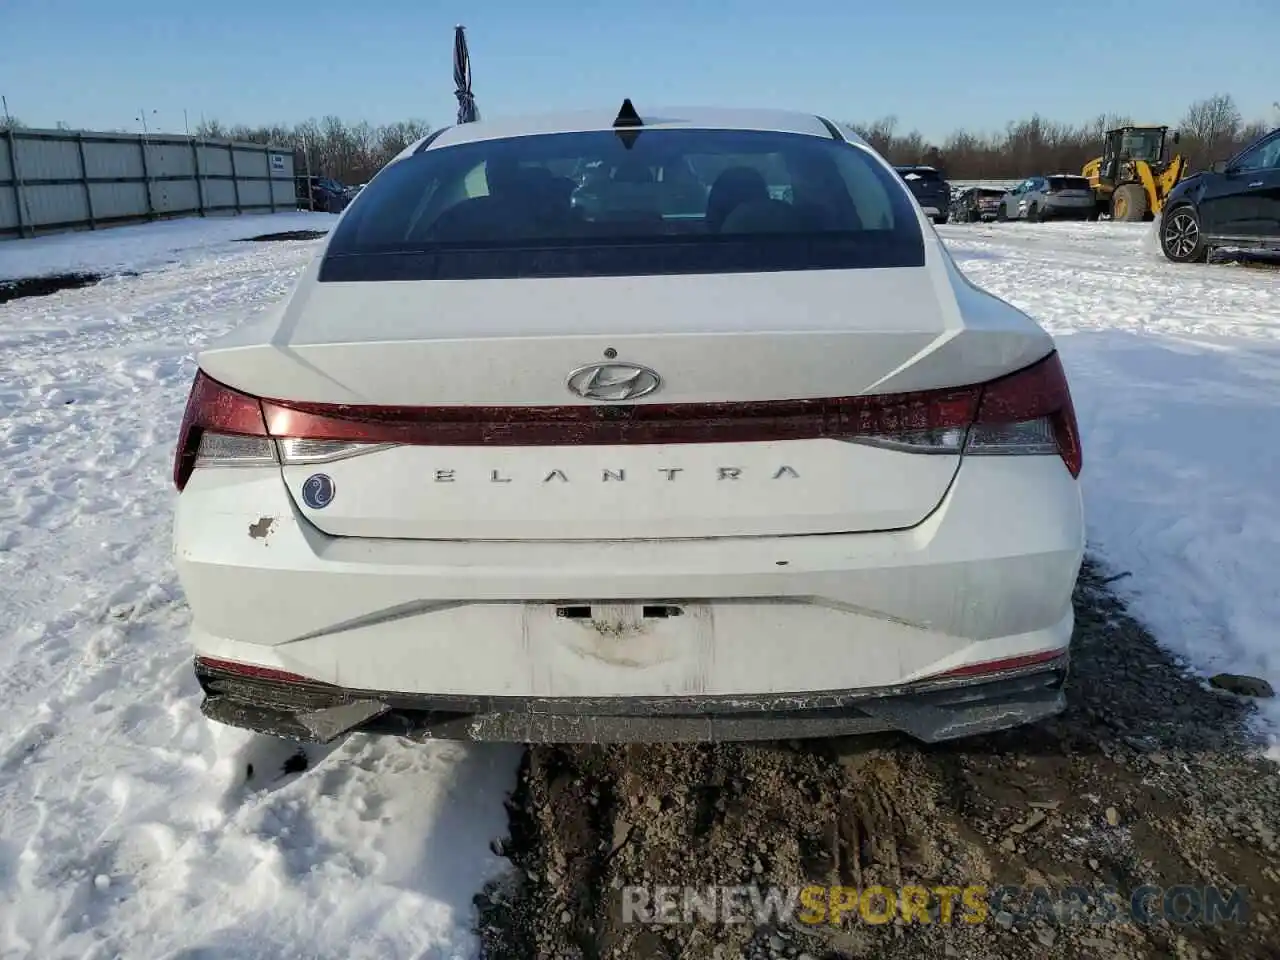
{"x": 255, "y": 193}
{"x": 281, "y": 165}
{"x": 8, "y": 211}
{"x": 55, "y": 203}
{"x": 47, "y": 159}
{"x": 220, "y": 193}
{"x": 251, "y": 164}
{"x": 112, "y": 160}
{"x": 215, "y": 161}
{"x": 175, "y": 196}
{"x": 286, "y": 195}
{"x": 118, "y": 200}
{"x": 70, "y": 179}
{"x": 170, "y": 160}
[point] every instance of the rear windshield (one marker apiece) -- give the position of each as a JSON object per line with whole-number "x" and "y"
{"x": 1068, "y": 183}
{"x": 991, "y": 194}
{"x": 586, "y": 204}
{"x": 918, "y": 175}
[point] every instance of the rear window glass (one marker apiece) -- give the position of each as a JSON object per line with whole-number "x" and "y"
{"x": 586, "y": 204}
{"x": 920, "y": 175}
{"x": 991, "y": 194}
{"x": 1068, "y": 183}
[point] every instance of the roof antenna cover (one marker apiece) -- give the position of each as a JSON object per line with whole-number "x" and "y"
{"x": 627, "y": 116}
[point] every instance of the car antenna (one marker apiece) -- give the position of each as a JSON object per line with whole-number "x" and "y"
{"x": 626, "y": 122}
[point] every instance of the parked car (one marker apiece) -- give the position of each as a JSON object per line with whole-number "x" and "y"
{"x": 321, "y": 193}
{"x": 500, "y": 467}
{"x": 976, "y": 203}
{"x": 930, "y": 189}
{"x": 1053, "y": 197}
{"x": 1235, "y": 204}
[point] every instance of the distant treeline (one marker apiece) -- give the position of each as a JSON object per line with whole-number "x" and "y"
{"x": 1211, "y": 129}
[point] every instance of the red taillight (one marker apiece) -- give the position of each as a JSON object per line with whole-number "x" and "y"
{"x": 217, "y": 409}
{"x": 1028, "y": 412}
{"x": 1038, "y": 392}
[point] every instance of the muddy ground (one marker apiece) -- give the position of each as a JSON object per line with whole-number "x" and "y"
{"x": 1149, "y": 778}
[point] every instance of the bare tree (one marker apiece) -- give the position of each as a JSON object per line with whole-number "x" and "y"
{"x": 1210, "y": 128}
{"x": 349, "y": 152}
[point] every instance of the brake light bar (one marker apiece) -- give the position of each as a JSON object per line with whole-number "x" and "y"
{"x": 731, "y": 422}
{"x": 1027, "y": 412}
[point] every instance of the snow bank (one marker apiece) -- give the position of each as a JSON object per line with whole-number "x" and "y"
{"x": 128, "y": 824}
{"x": 1175, "y": 371}
{"x": 143, "y": 246}
{"x": 1151, "y": 240}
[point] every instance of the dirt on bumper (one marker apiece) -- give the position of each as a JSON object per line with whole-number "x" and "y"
{"x": 930, "y": 711}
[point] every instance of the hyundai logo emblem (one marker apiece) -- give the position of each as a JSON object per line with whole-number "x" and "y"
{"x": 317, "y": 491}
{"x": 613, "y": 381}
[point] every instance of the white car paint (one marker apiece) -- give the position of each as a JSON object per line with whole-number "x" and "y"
{"x": 820, "y": 564}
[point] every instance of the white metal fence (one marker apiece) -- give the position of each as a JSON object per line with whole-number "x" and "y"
{"x": 56, "y": 180}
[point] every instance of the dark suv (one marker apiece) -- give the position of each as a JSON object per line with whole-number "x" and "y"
{"x": 976, "y": 203}
{"x": 323, "y": 194}
{"x": 1236, "y": 204}
{"x": 931, "y": 191}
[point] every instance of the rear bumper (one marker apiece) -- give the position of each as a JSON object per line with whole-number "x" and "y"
{"x": 770, "y": 624}
{"x": 930, "y": 711}
{"x": 1069, "y": 208}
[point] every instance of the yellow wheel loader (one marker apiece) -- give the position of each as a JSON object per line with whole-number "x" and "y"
{"x": 1132, "y": 178}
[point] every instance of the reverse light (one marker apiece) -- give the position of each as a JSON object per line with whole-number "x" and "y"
{"x": 303, "y": 450}
{"x": 220, "y": 426}
{"x": 1028, "y": 413}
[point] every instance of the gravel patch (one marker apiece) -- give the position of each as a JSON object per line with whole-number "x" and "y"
{"x": 1149, "y": 778}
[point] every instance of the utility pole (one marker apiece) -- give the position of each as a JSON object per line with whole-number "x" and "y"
{"x": 8, "y": 118}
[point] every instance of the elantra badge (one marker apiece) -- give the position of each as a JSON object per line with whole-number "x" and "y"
{"x": 317, "y": 491}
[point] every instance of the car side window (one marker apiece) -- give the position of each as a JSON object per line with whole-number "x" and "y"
{"x": 1265, "y": 156}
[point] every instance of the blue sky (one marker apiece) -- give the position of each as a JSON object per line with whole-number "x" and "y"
{"x": 936, "y": 65}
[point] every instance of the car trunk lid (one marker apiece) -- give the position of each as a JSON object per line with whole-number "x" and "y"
{"x": 456, "y": 422}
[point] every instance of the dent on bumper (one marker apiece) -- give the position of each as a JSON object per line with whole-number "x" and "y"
{"x": 930, "y": 712}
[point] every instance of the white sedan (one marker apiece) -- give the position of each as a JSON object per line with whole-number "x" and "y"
{"x": 660, "y": 456}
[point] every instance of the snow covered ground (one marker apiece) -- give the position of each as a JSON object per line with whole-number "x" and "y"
{"x": 143, "y": 246}
{"x": 126, "y": 824}
{"x": 1175, "y": 372}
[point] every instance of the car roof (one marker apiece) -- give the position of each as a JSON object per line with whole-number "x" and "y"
{"x": 661, "y": 118}
{"x": 916, "y": 166}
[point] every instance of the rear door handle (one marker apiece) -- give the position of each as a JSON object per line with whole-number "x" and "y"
{"x": 1256, "y": 183}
